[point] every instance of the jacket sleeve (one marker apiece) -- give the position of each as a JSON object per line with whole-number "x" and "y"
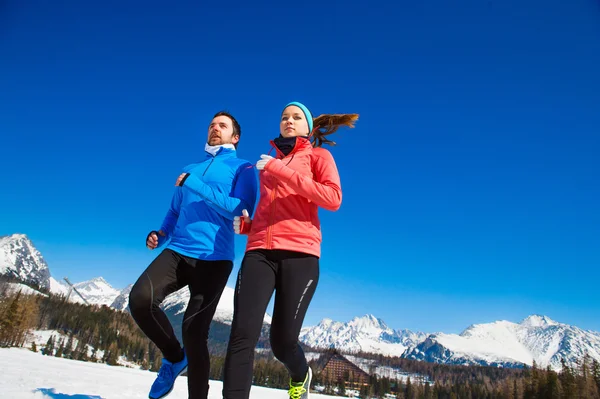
{"x": 324, "y": 190}
{"x": 171, "y": 217}
{"x": 228, "y": 204}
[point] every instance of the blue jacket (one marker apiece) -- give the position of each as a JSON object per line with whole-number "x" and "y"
{"x": 199, "y": 223}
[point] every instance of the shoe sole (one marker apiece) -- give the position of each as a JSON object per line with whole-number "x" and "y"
{"x": 172, "y": 386}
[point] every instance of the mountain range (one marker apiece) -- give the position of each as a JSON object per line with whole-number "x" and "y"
{"x": 500, "y": 343}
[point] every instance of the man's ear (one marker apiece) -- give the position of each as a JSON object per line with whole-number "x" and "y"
{"x": 235, "y": 139}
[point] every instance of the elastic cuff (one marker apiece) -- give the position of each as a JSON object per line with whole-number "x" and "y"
{"x": 184, "y": 179}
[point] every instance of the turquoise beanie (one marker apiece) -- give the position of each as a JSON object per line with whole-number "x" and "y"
{"x": 307, "y": 114}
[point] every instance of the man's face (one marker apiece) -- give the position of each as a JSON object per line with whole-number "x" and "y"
{"x": 220, "y": 131}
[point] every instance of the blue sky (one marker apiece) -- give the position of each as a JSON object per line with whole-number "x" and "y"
{"x": 470, "y": 184}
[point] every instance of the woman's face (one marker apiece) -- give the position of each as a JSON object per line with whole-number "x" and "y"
{"x": 293, "y": 122}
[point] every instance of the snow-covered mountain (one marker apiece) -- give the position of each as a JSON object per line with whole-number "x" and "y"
{"x": 536, "y": 338}
{"x": 501, "y": 343}
{"x": 97, "y": 291}
{"x": 366, "y": 334}
{"x": 121, "y": 302}
{"x": 20, "y": 259}
{"x": 176, "y": 304}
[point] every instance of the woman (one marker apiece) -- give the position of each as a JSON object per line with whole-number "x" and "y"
{"x": 284, "y": 246}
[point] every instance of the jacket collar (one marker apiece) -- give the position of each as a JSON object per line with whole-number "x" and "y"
{"x": 302, "y": 144}
{"x": 215, "y": 150}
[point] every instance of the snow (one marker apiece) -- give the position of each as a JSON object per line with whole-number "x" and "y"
{"x": 25, "y": 289}
{"x": 367, "y": 334}
{"x": 537, "y": 338}
{"x": 97, "y": 291}
{"x": 224, "y": 312}
{"x": 58, "y": 287}
{"x": 491, "y": 342}
{"x": 26, "y": 374}
{"x": 538, "y": 321}
{"x": 19, "y": 257}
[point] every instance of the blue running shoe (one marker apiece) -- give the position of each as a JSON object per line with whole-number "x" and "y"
{"x": 163, "y": 385}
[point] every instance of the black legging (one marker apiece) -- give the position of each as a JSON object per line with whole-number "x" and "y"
{"x": 294, "y": 277}
{"x": 168, "y": 273}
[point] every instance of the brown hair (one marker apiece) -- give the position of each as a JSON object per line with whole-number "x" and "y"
{"x": 327, "y": 124}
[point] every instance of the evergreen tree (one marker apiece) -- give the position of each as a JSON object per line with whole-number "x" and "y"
{"x": 113, "y": 355}
{"x": 48, "y": 350}
{"x": 409, "y": 391}
{"x": 552, "y": 389}
{"x": 9, "y": 323}
{"x": 61, "y": 347}
{"x": 341, "y": 386}
{"x": 427, "y": 391}
{"x": 567, "y": 381}
{"x": 94, "y": 355}
{"x": 596, "y": 373}
{"x": 68, "y": 347}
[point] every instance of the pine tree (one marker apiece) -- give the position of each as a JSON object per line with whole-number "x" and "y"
{"x": 341, "y": 387}
{"x": 113, "y": 354}
{"x": 596, "y": 373}
{"x": 81, "y": 351}
{"x": 409, "y": 391}
{"x": 48, "y": 350}
{"x": 10, "y": 322}
{"x": 427, "y": 391}
{"x": 94, "y": 355}
{"x": 33, "y": 347}
{"x": 567, "y": 381}
{"x": 552, "y": 390}
{"x": 61, "y": 348}
{"x": 67, "y": 351}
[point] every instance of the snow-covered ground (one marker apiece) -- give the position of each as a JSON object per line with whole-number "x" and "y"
{"x": 26, "y": 374}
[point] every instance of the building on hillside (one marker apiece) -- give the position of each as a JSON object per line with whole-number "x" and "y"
{"x": 333, "y": 367}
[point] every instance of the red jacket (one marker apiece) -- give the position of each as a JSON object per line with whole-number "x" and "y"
{"x": 292, "y": 188}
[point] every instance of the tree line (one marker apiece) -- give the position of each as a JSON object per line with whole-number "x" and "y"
{"x": 102, "y": 334}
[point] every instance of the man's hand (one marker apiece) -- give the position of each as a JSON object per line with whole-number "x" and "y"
{"x": 240, "y": 223}
{"x": 264, "y": 159}
{"x": 181, "y": 179}
{"x": 152, "y": 239}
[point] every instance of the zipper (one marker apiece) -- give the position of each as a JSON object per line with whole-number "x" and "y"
{"x": 211, "y": 162}
{"x": 274, "y": 194}
{"x": 272, "y": 217}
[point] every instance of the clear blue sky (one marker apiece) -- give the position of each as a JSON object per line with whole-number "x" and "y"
{"x": 471, "y": 184}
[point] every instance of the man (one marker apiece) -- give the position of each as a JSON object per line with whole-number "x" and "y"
{"x": 199, "y": 254}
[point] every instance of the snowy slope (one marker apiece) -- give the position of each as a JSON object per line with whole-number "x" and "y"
{"x": 28, "y": 375}
{"x": 13, "y": 288}
{"x": 58, "y": 287}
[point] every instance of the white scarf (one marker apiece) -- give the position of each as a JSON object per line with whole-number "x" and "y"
{"x": 213, "y": 149}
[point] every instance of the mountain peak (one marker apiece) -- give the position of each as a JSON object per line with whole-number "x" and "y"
{"x": 368, "y": 321}
{"x": 16, "y": 239}
{"x": 536, "y": 320}
{"x": 20, "y": 259}
{"x": 16, "y": 236}
{"x": 99, "y": 280}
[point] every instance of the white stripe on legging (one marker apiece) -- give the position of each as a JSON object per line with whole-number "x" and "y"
{"x": 302, "y": 297}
